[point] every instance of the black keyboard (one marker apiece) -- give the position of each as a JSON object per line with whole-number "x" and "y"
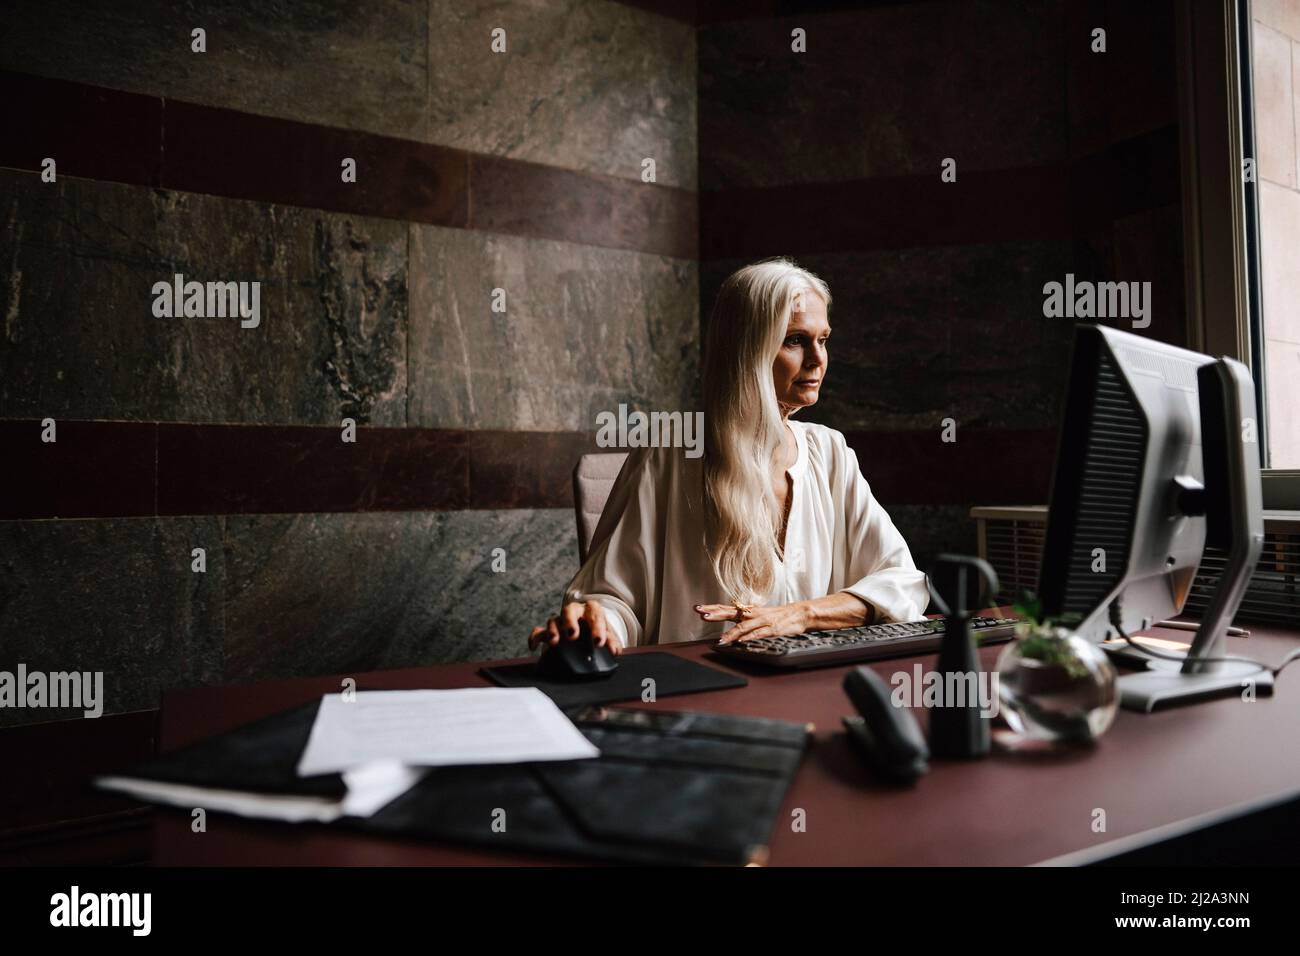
{"x": 868, "y": 643}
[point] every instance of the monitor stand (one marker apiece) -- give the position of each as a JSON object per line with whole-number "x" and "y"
{"x": 1235, "y": 522}
{"x": 1163, "y": 684}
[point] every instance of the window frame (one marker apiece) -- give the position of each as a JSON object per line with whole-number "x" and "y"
{"x": 1220, "y": 209}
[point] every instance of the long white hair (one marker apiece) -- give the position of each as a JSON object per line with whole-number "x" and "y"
{"x": 743, "y": 430}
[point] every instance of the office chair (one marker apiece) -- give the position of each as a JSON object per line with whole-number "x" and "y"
{"x": 593, "y": 478}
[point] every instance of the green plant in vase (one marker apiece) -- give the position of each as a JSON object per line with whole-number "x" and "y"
{"x": 1045, "y": 639}
{"x": 1054, "y": 685}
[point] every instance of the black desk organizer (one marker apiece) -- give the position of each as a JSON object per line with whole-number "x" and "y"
{"x": 668, "y": 788}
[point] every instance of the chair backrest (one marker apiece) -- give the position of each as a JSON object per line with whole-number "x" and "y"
{"x": 593, "y": 478}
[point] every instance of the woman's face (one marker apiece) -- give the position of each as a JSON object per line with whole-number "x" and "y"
{"x": 800, "y": 366}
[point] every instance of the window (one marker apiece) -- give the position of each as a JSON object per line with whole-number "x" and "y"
{"x": 1239, "y": 81}
{"x": 1270, "y": 38}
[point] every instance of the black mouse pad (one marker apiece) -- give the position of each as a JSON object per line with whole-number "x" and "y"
{"x": 670, "y": 673}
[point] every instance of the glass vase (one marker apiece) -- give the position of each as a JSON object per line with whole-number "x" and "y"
{"x": 1054, "y": 686}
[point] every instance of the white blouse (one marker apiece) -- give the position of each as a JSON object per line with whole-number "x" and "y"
{"x": 648, "y": 566}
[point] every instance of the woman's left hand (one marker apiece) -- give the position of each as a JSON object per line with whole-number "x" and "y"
{"x": 772, "y": 620}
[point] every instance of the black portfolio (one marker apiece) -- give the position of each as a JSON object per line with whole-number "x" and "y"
{"x": 668, "y": 787}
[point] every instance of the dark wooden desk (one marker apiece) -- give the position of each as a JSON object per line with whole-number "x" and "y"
{"x": 1148, "y": 771}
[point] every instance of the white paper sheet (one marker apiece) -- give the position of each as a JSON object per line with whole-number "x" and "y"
{"x": 370, "y": 788}
{"x": 435, "y": 728}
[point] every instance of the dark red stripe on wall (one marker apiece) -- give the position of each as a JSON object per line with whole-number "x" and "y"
{"x": 1051, "y": 202}
{"x": 129, "y": 469}
{"x": 528, "y": 199}
{"x": 106, "y": 134}
{"x": 252, "y": 469}
{"x": 701, "y": 12}
{"x": 90, "y": 132}
{"x": 886, "y": 213}
{"x": 244, "y": 469}
{"x": 989, "y": 467}
{"x": 228, "y": 153}
{"x": 91, "y": 469}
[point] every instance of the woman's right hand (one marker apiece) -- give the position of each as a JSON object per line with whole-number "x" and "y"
{"x": 565, "y": 625}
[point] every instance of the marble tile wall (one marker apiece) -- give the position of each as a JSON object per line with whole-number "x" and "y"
{"x": 931, "y": 530}
{"x": 882, "y": 91}
{"x": 378, "y": 319}
{"x": 389, "y": 321}
{"x": 282, "y": 596}
{"x": 924, "y": 334}
{"x": 82, "y": 341}
{"x": 340, "y": 331}
{"x": 321, "y": 594}
{"x": 584, "y": 84}
{"x": 942, "y": 321}
{"x": 116, "y": 596}
{"x": 583, "y": 330}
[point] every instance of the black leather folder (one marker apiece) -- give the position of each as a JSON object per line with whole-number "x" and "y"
{"x": 668, "y": 788}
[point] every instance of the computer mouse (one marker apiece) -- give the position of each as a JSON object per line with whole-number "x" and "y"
{"x": 888, "y": 737}
{"x": 577, "y": 658}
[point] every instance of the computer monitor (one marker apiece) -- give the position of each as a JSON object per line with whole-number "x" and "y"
{"x": 1157, "y": 456}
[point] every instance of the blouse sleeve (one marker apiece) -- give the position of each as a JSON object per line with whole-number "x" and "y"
{"x": 879, "y": 563}
{"x": 623, "y": 552}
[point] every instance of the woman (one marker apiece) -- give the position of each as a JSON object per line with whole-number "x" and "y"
{"x": 774, "y": 531}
